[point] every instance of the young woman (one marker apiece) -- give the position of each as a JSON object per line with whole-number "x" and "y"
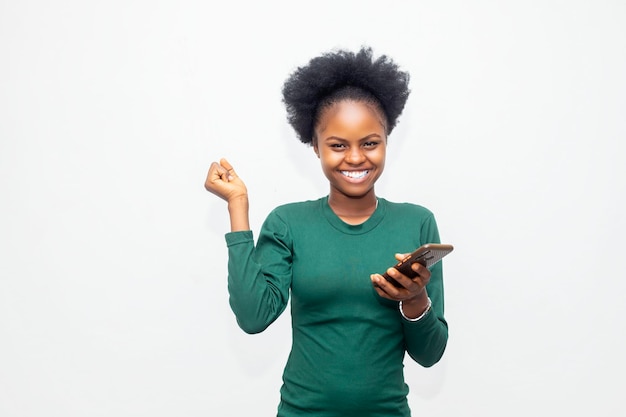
{"x": 351, "y": 327}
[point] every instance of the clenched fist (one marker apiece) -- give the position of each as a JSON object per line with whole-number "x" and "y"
{"x": 223, "y": 181}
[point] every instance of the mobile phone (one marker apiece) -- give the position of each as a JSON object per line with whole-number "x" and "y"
{"x": 427, "y": 255}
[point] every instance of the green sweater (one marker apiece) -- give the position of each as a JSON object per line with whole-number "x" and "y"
{"x": 348, "y": 343}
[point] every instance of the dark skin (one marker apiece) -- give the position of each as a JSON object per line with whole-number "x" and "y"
{"x": 350, "y": 141}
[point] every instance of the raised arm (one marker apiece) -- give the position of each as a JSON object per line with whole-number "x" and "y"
{"x": 258, "y": 277}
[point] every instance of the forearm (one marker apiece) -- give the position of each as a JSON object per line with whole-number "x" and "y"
{"x": 238, "y": 211}
{"x": 426, "y": 339}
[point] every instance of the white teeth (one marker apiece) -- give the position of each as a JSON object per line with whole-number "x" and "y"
{"x": 355, "y": 174}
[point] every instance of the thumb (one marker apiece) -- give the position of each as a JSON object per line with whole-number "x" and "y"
{"x": 229, "y": 168}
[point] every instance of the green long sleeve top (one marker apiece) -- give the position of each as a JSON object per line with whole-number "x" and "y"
{"x": 348, "y": 343}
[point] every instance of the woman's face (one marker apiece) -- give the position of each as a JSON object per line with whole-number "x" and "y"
{"x": 351, "y": 143}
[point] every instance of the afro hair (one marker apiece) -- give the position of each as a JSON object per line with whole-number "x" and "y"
{"x": 339, "y": 75}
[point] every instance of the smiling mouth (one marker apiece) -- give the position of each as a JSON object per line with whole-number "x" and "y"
{"x": 355, "y": 175}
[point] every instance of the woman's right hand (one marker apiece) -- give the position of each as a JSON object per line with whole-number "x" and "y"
{"x": 223, "y": 181}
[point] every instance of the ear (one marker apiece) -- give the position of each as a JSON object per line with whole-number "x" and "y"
{"x": 316, "y": 149}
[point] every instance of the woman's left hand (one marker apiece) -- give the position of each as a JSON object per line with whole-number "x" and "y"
{"x": 412, "y": 289}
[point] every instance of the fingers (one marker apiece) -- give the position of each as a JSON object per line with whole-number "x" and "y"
{"x": 409, "y": 287}
{"x": 401, "y": 256}
{"x": 222, "y": 171}
{"x": 222, "y": 181}
{"x": 414, "y": 284}
{"x": 422, "y": 277}
{"x": 216, "y": 172}
{"x": 387, "y": 290}
{"x": 423, "y": 273}
{"x": 216, "y": 179}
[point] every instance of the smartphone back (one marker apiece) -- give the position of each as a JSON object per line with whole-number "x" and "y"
{"x": 428, "y": 255}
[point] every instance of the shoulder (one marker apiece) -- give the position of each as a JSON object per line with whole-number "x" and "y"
{"x": 408, "y": 209}
{"x": 402, "y": 217}
{"x": 287, "y": 219}
{"x": 296, "y": 212}
{"x": 297, "y": 207}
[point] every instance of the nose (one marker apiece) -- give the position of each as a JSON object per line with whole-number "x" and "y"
{"x": 355, "y": 156}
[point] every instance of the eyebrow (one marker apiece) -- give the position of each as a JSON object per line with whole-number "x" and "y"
{"x": 370, "y": 136}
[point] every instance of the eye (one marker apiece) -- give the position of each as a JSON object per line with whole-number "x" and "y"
{"x": 370, "y": 144}
{"x": 337, "y": 146}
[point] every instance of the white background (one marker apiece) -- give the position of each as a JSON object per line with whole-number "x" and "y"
{"x": 113, "y": 296}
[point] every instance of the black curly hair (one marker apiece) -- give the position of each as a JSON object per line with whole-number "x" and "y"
{"x": 344, "y": 75}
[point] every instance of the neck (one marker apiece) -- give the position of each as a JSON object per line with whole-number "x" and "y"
{"x": 353, "y": 210}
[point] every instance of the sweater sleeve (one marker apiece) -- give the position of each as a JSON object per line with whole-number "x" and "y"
{"x": 259, "y": 277}
{"x": 426, "y": 339}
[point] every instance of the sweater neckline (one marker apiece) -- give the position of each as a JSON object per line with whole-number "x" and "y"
{"x": 354, "y": 229}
